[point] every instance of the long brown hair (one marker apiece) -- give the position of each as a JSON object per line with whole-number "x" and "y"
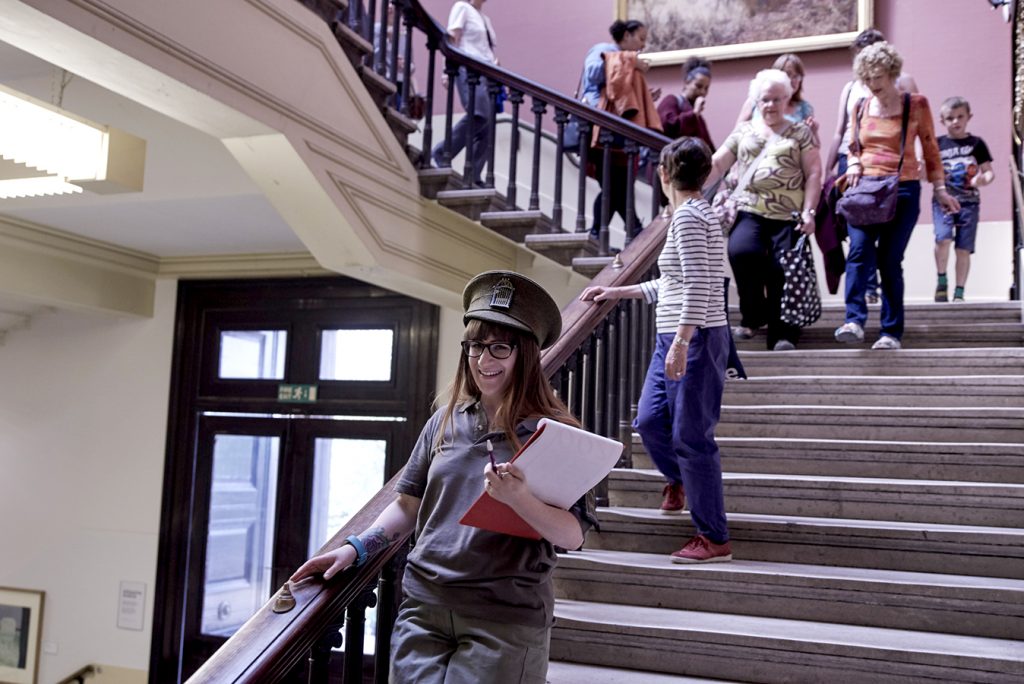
{"x": 798, "y": 65}
{"x": 530, "y": 395}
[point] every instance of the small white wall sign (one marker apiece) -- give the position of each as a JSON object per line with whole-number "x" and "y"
{"x": 131, "y": 605}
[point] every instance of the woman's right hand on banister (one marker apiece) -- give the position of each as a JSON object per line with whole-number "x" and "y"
{"x": 329, "y": 564}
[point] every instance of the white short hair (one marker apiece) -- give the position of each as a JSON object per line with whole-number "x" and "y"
{"x": 768, "y": 77}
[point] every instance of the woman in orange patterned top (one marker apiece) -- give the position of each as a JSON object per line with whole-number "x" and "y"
{"x": 877, "y": 153}
{"x": 779, "y": 171}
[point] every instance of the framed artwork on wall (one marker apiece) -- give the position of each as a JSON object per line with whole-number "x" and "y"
{"x": 726, "y": 29}
{"x": 21, "y": 621}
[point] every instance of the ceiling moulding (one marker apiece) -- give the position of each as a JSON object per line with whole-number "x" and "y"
{"x": 242, "y": 266}
{"x": 46, "y": 150}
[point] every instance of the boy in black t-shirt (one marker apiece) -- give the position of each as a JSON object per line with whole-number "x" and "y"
{"x": 968, "y": 166}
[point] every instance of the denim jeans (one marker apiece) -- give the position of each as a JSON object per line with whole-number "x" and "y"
{"x": 483, "y": 106}
{"x": 676, "y": 420}
{"x": 884, "y": 243}
{"x": 872, "y": 266}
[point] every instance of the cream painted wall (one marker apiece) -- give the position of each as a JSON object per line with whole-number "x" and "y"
{"x": 82, "y": 428}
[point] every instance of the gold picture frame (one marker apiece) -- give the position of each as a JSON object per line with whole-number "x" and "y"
{"x": 731, "y": 29}
{"x": 21, "y": 626}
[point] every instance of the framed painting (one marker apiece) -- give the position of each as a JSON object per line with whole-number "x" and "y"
{"x": 726, "y": 29}
{"x": 21, "y": 622}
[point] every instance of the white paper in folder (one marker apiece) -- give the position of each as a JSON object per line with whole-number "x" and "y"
{"x": 561, "y": 463}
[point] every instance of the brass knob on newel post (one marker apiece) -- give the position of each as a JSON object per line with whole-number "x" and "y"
{"x": 285, "y": 600}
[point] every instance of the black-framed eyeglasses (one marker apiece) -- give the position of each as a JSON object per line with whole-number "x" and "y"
{"x": 499, "y": 350}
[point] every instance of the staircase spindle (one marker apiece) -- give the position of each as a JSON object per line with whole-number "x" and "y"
{"x": 561, "y": 118}
{"x": 581, "y": 201}
{"x": 626, "y": 351}
{"x": 406, "y": 91}
{"x": 600, "y": 376}
{"x": 428, "y": 122}
{"x": 604, "y": 139}
{"x": 493, "y": 90}
{"x": 516, "y": 98}
{"x": 379, "y": 41}
{"x": 319, "y": 662}
{"x": 469, "y": 170}
{"x": 631, "y": 156}
{"x": 614, "y": 372}
{"x": 652, "y": 178}
{"x": 451, "y": 68}
{"x": 355, "y": 629}
{"x": 396, "y": 27}
{"x": 539, "y": 107}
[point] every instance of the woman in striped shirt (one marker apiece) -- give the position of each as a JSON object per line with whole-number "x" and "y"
{"x": 681, "y": 399}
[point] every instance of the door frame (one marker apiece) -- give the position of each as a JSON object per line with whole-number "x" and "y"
{"x": 304, "y": 304}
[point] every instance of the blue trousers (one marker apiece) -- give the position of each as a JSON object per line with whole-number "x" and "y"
{"x": 483, "y": 107}
{"x": 885, "y": 244}
{"x": 676, "y": 420}
{"x": 872, "y": 266}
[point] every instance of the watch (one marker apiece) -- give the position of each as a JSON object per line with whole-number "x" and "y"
{"x": 357, "y": 544}
{"x": 681, "y": 342}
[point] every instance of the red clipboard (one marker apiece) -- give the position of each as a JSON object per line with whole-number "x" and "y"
{"x": 490, "y": 514}
{"x": 561, "y": 468}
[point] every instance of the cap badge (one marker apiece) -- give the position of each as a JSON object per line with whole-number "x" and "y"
{"x": 501, "y": 294}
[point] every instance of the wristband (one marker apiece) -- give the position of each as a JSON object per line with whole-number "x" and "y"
{"x": 357, "y": 544}
{"x": 680, "y": 342}
{"x": 811, "y": 212}
{"x": 939, "y": 187}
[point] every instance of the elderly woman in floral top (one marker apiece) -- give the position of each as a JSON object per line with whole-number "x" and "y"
{"x": 780, "y": 176}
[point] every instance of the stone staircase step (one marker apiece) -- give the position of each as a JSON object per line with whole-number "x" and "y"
{"x": 933, "y": 424}
{"x": 846, "y": 361}
{"x": 378, "y": 85}
{"x": 400, "y": 124}
{"x": 899, "y": 390}
{"x": 563, "y": 247}
{"x": 591, "y": 266}
{"x": 885, "y": 545}
{"x": 916, "y": 336}
{"x": 964, "y": 461}
{"x": 925, "y": 501}
{"x": 352, "y": 44}
{"x": 434, "y": 180}
{"x": 757, "y": 649}
{"x": 579, "y": 673}
{"x": 975, "y": 606}
{"x": 516, "y": 225}
{"x": 834, "y": 314}
{"x": 471, "y": 202}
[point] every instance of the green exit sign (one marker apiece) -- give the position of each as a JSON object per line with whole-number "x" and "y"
{"x": 297, "y": 394}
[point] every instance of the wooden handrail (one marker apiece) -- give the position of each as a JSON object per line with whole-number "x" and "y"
{"x": 78, "y": 677}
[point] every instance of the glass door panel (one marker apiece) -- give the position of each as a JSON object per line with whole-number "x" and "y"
{"x": 240, "y": 532}
{"x": 346, "y": 475}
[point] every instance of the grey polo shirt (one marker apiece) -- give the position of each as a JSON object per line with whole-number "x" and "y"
{"x": 471, "y": 571}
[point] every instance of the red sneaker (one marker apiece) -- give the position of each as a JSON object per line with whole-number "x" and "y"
{"x": 700, "y": 549}
{"x": 673, "y": 499}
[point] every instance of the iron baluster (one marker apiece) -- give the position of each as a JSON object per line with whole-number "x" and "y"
{"x": 493, "y": 89}
{"x": 407, "y": 60}
{"x": 605, "y": 141}
{"x": 355, "y": 628}
{"x": 652, "y": 177}
{"x": 561, "y": 118}
{"x": 428, "y": 122}
{"x": 396, "y": 27}
{"x": 452, "y": 70}
{"x": 539, "y": 107}
{"x": 319, "y": 662}
{"x": 625, "y": 431}
{"x": 516, "y": 98}
{"x": 379, "y": 42}
{"x": 631, "y": 155}
{"x": 470, "y": 170}
{"x": 581, "y": 202}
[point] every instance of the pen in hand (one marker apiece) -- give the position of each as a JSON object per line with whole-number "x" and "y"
{"x": 490, "y": 453}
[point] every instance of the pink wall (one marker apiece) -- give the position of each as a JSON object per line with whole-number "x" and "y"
{"x": 951, "y": 47}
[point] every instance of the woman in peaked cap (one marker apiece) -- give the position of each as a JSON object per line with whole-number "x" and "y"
{"x": 478, "y": 605}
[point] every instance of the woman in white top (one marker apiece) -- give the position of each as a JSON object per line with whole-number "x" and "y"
{"x": 470, "y": 31}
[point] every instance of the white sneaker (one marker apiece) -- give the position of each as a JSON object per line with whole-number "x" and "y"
{"x": 886, "y": 342}
{"x": 850, "y": 332}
